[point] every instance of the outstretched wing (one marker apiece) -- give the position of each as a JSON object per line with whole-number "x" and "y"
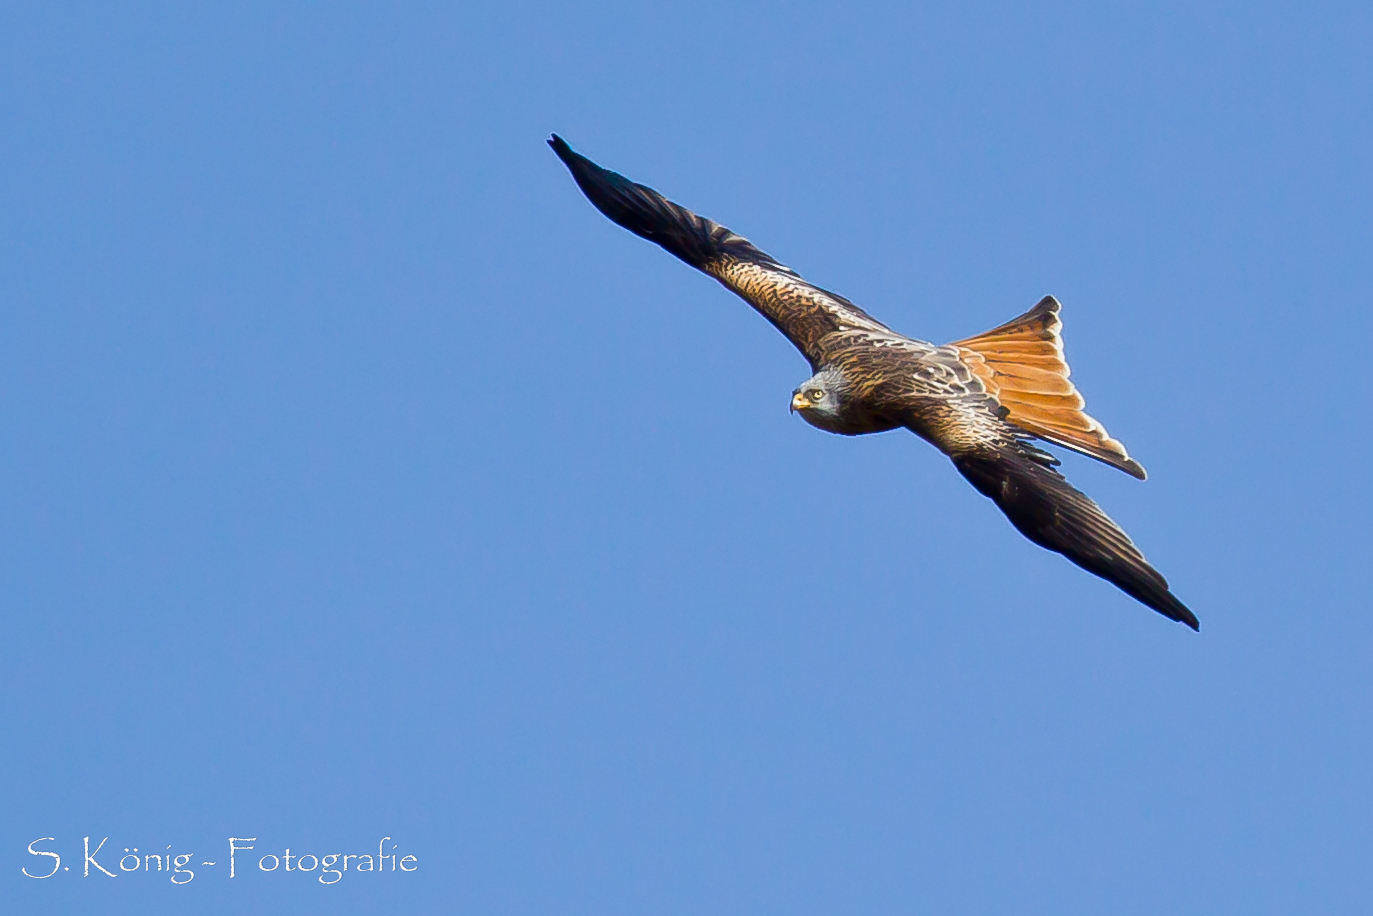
{"x": 1041, "y": 504}
{"x": 803, "y": 312}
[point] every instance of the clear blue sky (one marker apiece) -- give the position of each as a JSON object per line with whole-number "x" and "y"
{"x": 358, "y": 479}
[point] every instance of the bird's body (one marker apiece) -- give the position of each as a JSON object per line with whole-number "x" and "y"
{"x": 980, "y": 401}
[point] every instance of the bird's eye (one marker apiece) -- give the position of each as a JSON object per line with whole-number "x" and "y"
{"x": 815, "y": 394}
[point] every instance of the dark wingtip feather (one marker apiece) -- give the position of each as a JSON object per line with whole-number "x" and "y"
{"x": 1050, "y": 512}
{"x": 644, "y": 211}
{"x": 1184, "y": 615}
{"x": 581, "y": 167}
{"x": 1166, "y": 603}
{"x": 1152, "y": 594}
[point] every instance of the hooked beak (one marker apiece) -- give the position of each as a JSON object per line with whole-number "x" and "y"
{"x": 799, "y": 402}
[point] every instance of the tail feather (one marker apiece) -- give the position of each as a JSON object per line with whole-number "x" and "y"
{"x": 1022, "y": 365}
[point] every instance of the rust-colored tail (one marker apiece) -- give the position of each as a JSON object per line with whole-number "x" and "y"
{"x": 1022, "y": 365}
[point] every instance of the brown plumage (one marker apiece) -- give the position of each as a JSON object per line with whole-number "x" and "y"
{"x": 981, "y": 401}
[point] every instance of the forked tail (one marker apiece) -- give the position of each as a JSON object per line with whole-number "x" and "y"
{"x": 1022, "y": 365}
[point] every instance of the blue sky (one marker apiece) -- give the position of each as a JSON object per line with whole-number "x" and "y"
{"x": 359, "y": 480}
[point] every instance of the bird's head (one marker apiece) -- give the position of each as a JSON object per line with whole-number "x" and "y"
{"x": 820, "y": 399}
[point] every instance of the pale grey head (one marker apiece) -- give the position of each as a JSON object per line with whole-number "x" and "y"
{"x": 821, "y": 400}
{"x": 827, "y": 401}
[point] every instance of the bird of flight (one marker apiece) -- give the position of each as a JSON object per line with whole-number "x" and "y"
{"x": 981, "y": 401}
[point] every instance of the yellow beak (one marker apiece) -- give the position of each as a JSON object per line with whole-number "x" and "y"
{"x": 799, "y": 402}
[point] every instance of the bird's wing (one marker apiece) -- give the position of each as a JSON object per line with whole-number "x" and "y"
{"x": 803, "y": 312}
{"x": 997, "y": 459}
